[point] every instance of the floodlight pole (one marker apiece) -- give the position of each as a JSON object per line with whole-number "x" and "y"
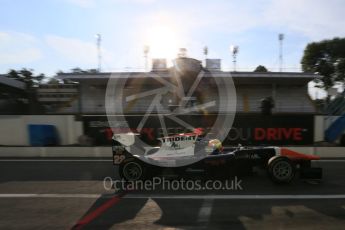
{"x": 99, "y": 54}
{"x": 146, "y": 52}
{"x": 234, "y": 51}
{"x": 281, "y": 38}
{"x": 205, "y": 53}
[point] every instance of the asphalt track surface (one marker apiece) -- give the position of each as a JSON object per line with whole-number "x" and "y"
{"x": 70, "y": 194}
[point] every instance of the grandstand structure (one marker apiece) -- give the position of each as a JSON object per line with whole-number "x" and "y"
{"x": 58, "y": 98}
{"x": 289, "y": 90}
{"x": 12, "y": 95}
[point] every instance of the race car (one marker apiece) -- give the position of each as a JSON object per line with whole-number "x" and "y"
{"x": 192, "y": 151}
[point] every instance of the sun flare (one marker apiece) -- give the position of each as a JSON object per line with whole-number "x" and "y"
{"x": 163, "y": 42}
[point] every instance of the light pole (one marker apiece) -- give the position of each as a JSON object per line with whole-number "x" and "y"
{"x": 146, "y": 52}
{"x": 281, "y": 38}
{"x": 99, "y": 54}
{"x": 205, "y": 54}
{"x": 234, "y": 50}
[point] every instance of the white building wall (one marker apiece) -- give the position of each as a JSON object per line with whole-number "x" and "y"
{"x": 293, "y": 99}
{"x": 287, "y": 98}
{"x": 93, "y": 98}
{"x": 14, "y": 129}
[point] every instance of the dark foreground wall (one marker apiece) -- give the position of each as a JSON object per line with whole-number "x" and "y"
{"x": 247, "y": 129}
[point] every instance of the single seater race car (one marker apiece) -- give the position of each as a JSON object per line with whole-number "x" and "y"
{"x": 191, "y": 151}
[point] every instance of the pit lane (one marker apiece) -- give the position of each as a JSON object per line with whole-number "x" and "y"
{"x": 62, "y": 193}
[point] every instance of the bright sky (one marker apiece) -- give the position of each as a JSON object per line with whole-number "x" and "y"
{"x": 57, "y": 35}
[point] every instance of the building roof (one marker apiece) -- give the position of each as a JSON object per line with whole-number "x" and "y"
{"x": 4, "y": 80}
{"x": 251, "y": 78}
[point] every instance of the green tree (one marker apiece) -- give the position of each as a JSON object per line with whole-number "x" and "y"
{"x": 326, "y": 58}
{"x": 53, "y": 81}
{"x": 27, "y": 76}
{"x": 81, "y": 71}
{"x": 260, "y": 68}
{"x": 31, "y": 81}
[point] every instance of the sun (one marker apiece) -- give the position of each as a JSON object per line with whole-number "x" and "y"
{"x": 163, "y": 42}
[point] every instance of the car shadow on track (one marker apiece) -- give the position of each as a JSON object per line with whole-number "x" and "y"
{"x": 176, "y": 209}
{"x": 222, "y": 214}
{"x": 55, "y": 170}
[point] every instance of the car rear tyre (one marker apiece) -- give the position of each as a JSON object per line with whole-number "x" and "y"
{"x": 281, "y": 169}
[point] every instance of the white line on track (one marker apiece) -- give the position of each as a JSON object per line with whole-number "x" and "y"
{"x": 333, "y": 160}
{"x": 243, "y": 197}
{"x": 104, "y": 160}
{"x": 55, "y": 160}
{"x": 48, "y": 195}
{"x": 195, "y": 197}
{"x": 205, "y": 210}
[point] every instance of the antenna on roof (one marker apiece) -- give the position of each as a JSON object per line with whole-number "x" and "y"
{"x": 205, "y": 53}
{"x": 182, "y": 53}
{"x": 146, "y": 52}
{"x": 280, "y": 38}
{"x": 99, "y": 54}
{"x": 234, "y": 50}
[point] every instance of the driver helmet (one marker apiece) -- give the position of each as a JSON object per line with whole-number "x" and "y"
{"x": 216, "y": 146}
